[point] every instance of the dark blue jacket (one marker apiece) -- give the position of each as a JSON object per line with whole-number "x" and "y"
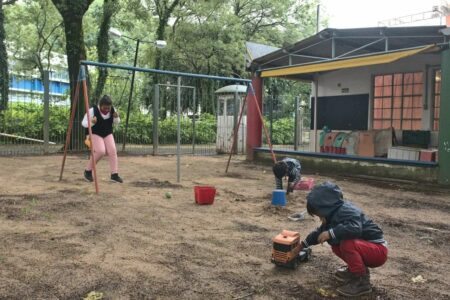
{"x": 344, "y": 221}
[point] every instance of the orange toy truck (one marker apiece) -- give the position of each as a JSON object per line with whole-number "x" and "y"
{"x": 286, "y": 250}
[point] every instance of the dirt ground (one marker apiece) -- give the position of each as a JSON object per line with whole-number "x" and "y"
{"x": 61, "y": 241}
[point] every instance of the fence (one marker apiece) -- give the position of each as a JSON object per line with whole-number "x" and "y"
{"x": 288, "y": 122}
{"x": 35, "y": 124}
{"x": 28, "y": 126}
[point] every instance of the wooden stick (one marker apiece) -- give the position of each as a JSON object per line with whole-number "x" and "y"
{"x": 86, "y": 104}
{"x": 69, "y": 129}
{"x": 24, "y": 138}
{"x": 235, "y": 133}
{"x": 252, "y": 91}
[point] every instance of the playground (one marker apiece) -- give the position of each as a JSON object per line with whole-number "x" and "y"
{"x": 62, "y": 241}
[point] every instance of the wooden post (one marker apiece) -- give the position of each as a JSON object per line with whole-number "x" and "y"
{"x": 69, "y": 128}
{"x": 86, "y": 105}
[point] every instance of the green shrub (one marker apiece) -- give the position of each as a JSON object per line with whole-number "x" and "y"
{"x": 282, "y": 131}
{"x": 27, "y": 119}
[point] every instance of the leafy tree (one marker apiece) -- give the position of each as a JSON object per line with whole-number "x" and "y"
{"x": 72, "y": 13}
{"x": 164, "y": 10}
{"x": 218, "y": 48}
{"x": 4, "y": 76}
{"x": 276, "y": 22}
{"x": 110, "y": 7}
{"x": 36, "y": 34}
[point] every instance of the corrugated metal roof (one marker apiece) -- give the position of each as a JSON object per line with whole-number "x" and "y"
{"x": 355, "y": 41}
{"x": 366, "y": 60}
{"x": 255, "y": 50}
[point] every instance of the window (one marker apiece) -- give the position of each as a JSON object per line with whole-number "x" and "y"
{"x": 230, "y": 107}
{"x": 437, "y": 99}
{"x": 221, "y": 108}
{"x": 398, "y": 101}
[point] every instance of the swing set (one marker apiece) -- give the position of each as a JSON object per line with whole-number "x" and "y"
{"x": 82, "y": 85}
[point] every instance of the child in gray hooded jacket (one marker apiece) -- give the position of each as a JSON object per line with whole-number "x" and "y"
{"x": 353, "y": 237}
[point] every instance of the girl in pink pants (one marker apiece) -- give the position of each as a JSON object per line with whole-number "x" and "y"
{"x": 103, "y": 117}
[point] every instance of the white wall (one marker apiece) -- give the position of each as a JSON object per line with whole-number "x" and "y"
{"x": 356, "y": 80}
{"x": 359, "y": 81}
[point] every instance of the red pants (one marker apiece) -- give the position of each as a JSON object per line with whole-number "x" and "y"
{"x": 359, "y": 254}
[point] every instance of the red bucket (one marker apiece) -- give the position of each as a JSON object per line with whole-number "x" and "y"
{"x": 204, "y": 194}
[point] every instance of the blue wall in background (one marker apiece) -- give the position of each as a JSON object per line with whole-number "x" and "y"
{"x": 35, "y": 85}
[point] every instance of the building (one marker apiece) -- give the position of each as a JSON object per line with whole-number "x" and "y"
{"x": 368, "y": 80}
{"x": 28, "y": 87}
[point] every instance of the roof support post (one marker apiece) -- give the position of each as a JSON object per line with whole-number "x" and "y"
{"x": 444, "y": 121}
{"x": 254, "y": 123}
{"x": 316, "y": 96}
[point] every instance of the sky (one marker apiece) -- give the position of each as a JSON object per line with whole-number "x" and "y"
{"x": 367, "y": 13}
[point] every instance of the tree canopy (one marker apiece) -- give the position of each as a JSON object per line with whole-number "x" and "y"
{"x": 202, "y": 36}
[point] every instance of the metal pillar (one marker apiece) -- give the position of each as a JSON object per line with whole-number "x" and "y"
{"x": 271, "y": 118}
{"x": 46, "y": 110}
{"x": 318, "y": 19}
{"x": 235, "y": 121}
{"x": 444, "y": 121}
{"x": 194, "y": 95}
{"x": 301, "y": 129}
{"x": 316, "y": 95}
{"x": 178, "y": 127}
{"x": 296, "y": 118}
{"x": 254, "y": 123}
{"x": 155, "y": 120}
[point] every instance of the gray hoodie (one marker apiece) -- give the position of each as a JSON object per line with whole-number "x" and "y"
{"x": 344, "y": 221}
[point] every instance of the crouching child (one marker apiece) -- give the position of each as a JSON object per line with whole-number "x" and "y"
{"x": 353, "y": 237}
{"x": 287, "y": 167}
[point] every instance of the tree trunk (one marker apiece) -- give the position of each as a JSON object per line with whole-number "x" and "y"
{"x": 109, "y": 8}
{"x": 72, "y": 13}
{"x": 76, "y": 51}
{"x": 4, "y": 78}
{"x": 160, "y": 35}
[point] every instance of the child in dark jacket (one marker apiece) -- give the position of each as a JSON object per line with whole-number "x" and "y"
{"x": 289, "y": 167}
{"x": 353, "y": 237}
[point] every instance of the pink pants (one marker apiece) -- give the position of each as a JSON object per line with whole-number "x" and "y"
{"x": 359, "y": 253}
{"x": 104, "y": 146}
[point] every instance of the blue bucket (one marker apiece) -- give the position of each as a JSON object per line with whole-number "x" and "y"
{"x": 279, "y": 197}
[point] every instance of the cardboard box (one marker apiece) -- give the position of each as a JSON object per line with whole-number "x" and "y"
{"x": 366, "y": 144}
{"x": 428, "y": 155}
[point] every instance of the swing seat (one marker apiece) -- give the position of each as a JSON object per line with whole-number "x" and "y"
{"x": 87, "y": 142}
